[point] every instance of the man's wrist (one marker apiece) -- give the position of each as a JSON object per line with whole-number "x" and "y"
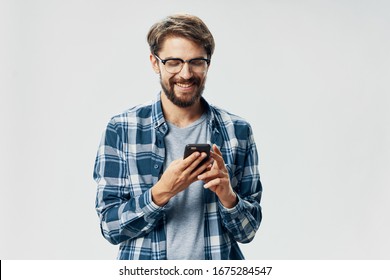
{"x": 159, "y": 197}
{"x": 230, "y": 201}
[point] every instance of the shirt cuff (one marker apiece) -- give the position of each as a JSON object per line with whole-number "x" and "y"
{"x": 232, "y": 212}
{"x": 150, "y": 208}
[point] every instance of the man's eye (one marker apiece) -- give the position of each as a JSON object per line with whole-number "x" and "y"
{"x": 173, "y": 63}
{"x": 198, "y": 62}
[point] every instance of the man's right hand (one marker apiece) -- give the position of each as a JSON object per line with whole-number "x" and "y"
{"x": 178, "y": 176}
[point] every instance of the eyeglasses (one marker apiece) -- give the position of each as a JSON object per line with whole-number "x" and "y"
{"x": 174, "y": 65}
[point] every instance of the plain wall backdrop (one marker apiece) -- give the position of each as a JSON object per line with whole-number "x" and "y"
{"x": 312, "y": 77}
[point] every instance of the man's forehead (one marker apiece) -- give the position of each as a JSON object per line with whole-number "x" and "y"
{"x": 173, "y": 44}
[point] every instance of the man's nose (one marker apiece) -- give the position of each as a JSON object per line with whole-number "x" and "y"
{"x": 186, "y": 72}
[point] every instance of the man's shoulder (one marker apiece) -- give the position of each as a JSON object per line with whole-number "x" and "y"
{"x": 137, "y": 118}
{"x": 231, "y": 124}
{"x": 134, "y": 114}
{"x": 227, "y": 117}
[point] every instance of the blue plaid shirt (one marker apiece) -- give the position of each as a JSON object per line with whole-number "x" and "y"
{"x": 130, "y": 161}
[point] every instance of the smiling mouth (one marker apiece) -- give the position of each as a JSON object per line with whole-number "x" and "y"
{"x": 185, "y": 85}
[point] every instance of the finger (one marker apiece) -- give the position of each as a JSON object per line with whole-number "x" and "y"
{"x": 207, "y": 165}
{"x": 190, "y": 159}
{"x": 196, "y": 162}
{"x": 210, "y": 175}
{"x": 217, "y": 155}
{"x": 213, "y": 183}
{"x": 216, "y": 150}
{"x": 200, "y": 169}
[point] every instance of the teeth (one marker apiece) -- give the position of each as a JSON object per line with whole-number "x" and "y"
{"x": 184, "y": 85}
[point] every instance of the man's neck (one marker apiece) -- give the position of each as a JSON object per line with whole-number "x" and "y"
{"x": 180, "y": 117}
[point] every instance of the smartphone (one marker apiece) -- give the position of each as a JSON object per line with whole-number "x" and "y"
{"x": 201, "y": 148}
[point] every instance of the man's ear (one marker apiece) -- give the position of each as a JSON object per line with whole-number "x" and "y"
{"x": 154, "y": 63}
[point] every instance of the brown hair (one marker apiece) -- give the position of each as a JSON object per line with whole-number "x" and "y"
{"x": 181, "y": 25}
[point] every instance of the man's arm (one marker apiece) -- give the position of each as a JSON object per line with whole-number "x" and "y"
{"x": 126, "y": 207}
{"x": 239, "y": 194}
{"x": 123, "y": 202}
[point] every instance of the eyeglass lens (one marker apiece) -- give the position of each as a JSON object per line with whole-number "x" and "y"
{"x": 175, "y": 65}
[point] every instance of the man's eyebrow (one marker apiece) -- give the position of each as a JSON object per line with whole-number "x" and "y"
{"x": 172, "y": 57}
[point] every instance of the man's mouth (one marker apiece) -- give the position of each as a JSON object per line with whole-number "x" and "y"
{"x": 185, "y": 85}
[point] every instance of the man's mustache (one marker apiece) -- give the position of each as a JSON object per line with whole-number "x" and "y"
{"x": 192, "y": 80}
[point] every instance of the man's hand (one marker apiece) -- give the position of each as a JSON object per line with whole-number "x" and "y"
{"x": 218, "y": 181}
{"x": 178, "y": 176}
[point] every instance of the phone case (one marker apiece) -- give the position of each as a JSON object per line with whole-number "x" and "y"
{"x": 190, "y": 148}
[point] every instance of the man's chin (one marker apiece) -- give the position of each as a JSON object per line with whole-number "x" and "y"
{"x": 185, "y": 99}
{"x": 183, "y": 102}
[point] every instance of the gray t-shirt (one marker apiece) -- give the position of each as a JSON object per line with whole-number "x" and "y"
{"x": 185, "y": 211}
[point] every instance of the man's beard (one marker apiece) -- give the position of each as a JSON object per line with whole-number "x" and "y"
{"x": 170, "y": 93}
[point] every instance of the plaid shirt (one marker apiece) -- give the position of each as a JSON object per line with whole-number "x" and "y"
{"x": 130, "y": 161}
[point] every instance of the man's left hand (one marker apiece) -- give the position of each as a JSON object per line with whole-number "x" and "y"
{"x": 218, "y": 181}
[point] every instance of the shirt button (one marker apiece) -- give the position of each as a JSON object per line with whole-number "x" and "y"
{"x": 156, "y": 166}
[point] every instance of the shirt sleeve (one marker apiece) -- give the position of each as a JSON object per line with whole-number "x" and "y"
{"x": 124, "y": 213}
{"x": 243, "y": 220}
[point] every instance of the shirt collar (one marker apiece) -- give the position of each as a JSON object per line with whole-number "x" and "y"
{"x": 158, "y": 115}
{"x": 157, "y": 112}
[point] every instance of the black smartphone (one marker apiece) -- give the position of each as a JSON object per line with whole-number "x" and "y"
{"x": 201, "y": 148}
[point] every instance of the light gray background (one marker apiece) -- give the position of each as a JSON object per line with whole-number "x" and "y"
{"x": 311, "y": 76}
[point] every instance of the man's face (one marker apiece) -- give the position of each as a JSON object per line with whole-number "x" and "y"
{"x": 185, "y": 87}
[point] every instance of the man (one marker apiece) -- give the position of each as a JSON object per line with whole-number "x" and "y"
{"x": 150, "y": 200}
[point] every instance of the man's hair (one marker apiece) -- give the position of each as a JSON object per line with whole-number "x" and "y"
{"x": 181, "y": 25}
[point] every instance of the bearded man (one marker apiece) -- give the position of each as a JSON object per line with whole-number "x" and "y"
{"x": 152, "y": 201}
